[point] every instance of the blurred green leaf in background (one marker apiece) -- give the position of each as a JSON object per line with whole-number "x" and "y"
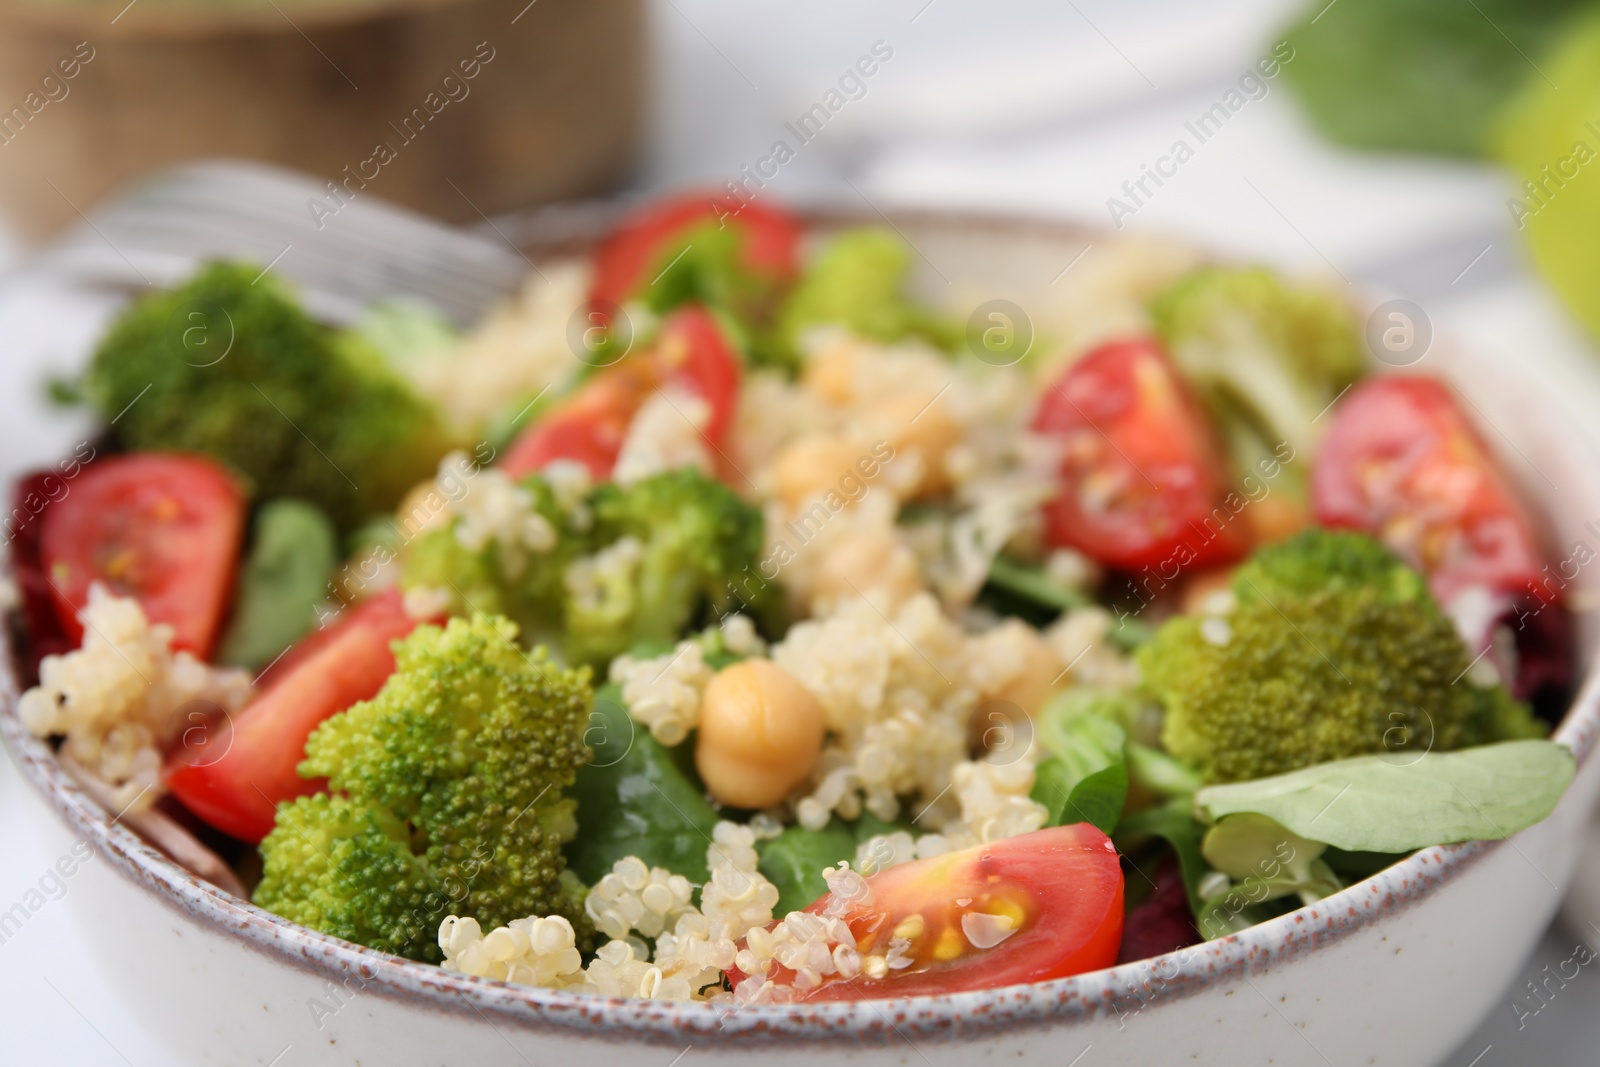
{"x": 1419, "y": 75}
{"x": 1514, "y": 80}
{"x": 1550, "y": 137}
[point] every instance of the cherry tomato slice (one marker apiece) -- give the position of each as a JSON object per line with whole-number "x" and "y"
{"x": 588, "y": 426}
{"x": 160, "y": 527}
{"x": 691, "y": 351}
{"x": 1141, "y": 480}
{"x": 637, "y": 249}
{"x": 235, "y": 780}
{"x": 1402, "y": 462}
{"x": 1026, "y": 909}
{"x": 696, "y": 355}
{"x": 33, "y": 493}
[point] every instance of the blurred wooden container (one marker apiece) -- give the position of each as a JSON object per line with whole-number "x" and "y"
{"x": 553, "y": 113}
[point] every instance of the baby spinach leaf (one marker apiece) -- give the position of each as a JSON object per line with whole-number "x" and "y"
{"x": 282, "y": 581}
{"x": 1096, "y": 799}
{"x": 1033, "y": 583}
{"x": 1130, "y": 634}
{"x": 1174, "y": 823}
{"x": 1086, "y": 778}
{"x": 794, "y": 860}
{"x": 1375, "y": 804}
{"x": 869, "y": 825}
{"x": 636, "y": 799}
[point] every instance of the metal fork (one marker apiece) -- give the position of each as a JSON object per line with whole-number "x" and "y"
{"x": 157, "y": 231}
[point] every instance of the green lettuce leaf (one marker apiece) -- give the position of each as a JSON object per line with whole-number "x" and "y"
{"x": 1378, "y": 804}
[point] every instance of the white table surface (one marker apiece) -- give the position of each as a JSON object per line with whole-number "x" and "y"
{"x": 1020, "y": 105}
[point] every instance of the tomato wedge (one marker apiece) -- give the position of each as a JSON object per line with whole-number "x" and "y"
{"x": 238, "y": 791}
{"x": 1402, "y": 462}
{"x": 588, "y": 426}
{"x": 695, "y": 354}
{"x": 1141, "y": 479}
{"x": 33, "y": 493}
{"x": 691, "y": 351}
{"x": 1026, "y": 909}
{"x": 160, "y": 527}
{"x": 647, "y": 241}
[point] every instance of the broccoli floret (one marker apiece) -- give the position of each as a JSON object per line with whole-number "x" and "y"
{"x": 448, "y": 795}
{"x": 859, "y": 282}
{"x": 1504, "y": 717}
{"x": 1329, "y": 652}
{"x": 673, "y": 545}
{"x": 1268, "y": 356}
{"x": 1319, "y": 560}
{"x": 630, "y": 564}
{"x": 527, "y": 586}
{"x": 230, "y": 366}
{"x": 437, "y": 560}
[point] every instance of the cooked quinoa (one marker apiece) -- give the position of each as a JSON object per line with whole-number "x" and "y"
{"x": 122, "y": 699}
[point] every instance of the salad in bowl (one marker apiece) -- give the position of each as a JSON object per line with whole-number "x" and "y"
{"x": 718, "y": 622}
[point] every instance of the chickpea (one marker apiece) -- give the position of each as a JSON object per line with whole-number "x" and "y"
{"x": 872, "y": 562}
{"x": 920, "y": 424}
{"x": 1024, "y": 693}
{"x": 1031, "y": 686}
{"x": 423, "y": 508}
{"x": 831, "y": 371}
{"x": 760, "y": 734}
{"x": 1276, "y": 518}
{"x": 811, "y": 466}
{"x": 1201, "y": 587}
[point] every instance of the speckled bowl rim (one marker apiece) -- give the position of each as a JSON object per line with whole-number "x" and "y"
{"x": 962, "y": 1017}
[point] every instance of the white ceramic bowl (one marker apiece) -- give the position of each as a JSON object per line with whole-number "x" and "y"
{"x": 1393, "y": 970}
